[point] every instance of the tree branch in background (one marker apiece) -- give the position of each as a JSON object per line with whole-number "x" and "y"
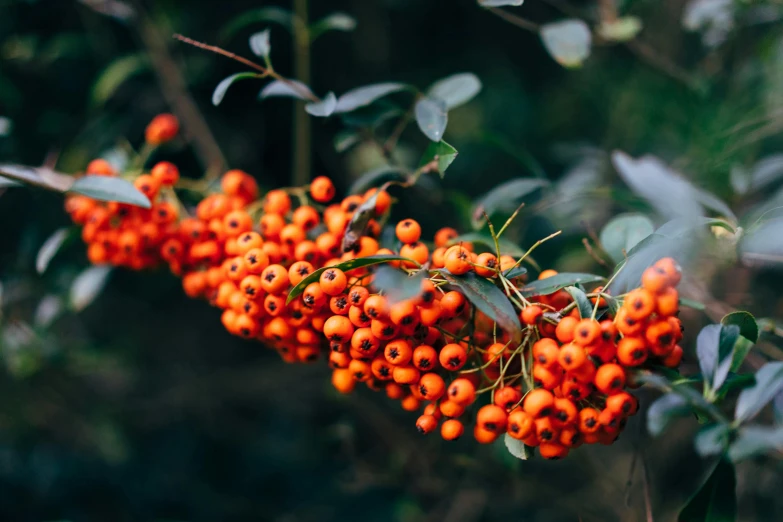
{"x": 302, "y": 134}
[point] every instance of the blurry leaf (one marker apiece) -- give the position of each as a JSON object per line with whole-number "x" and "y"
{"x": 357, "y": 227}
{"x": 621, "y": 29}
{"x": 345, "y": 266}
{"x": 714, "y": 17}
{"x": 739, "y": 178}
{"x": 5, "y": 183}
{"x": 769, "y": 382}
{"x": 714, "y": 348}
{"x": 663, "y": 410}
{"x": 372, "y": 115}
{"x": 106, "y": 188}
{"x": 260, "y": 45}
{"x": 441, "y": 152}
{"x": 38, "y": 176}
{"x": 116, "y": 9}
{"x": 713, "y": 202}
{"x": 691, "y": 396}
{"x": 500, "y": 3}
{"x": 746, "y": 323}
{"x": 763, "y": 244}
{"x": 506, "y": 246}
{"x": 489, "y": 299}
{"x": 455, "y": 90}
{"x": 623, "y": 232}
{"x": 324, "y": 108}
{"x": 374, "y": 177}
{"x": 568, "y": 41}
{"x": 333, "y": 22}
{"x": 678, "y": 226}
{"x": 690, "y": 303}
{"x": 265, "y": 14}
{"x": 582, "y": 302}
{"x": 505, "y": 196}
{"x": 756, "y": 440}
{"x": 222, "y": 87}
{"x": 712, "y": 440}
{"x": 550, "y": 285}
{"x": 117, "y": 72}
{"x": 670, "y": 194}
{"x": 48, "y": 309}
{"x": 363, "y": 96}
{"x": 50, "y": 248}
{"x": 345, "y": 139}
{"x": 517, "y": 448}
{"x": 431, "y": 116}
{"x": 291, "y": 89}
{"x": 87, "y": 285}
{"x": 5, "y": 126}
{"x": 396, "y": 284}
{"x": 765, "y": 172}
{"x": 716, "y": 500}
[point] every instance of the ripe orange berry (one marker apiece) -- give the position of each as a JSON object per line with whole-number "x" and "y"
{"x": 571, "y": 356}
{"x": 404, "y": 313}
{"x": 453, "y": 303}
{"x": 416, "y": 251}
{"x": 147, "y": 185}
{"x": 588, "y": 420}
{"x": 358, "y": 295}
{"x": 547, "y": 377}
{"x": 520, "y": 424}
{"x": 277, "y": 202}
{"x": 162, "y": 128}
{"x": 384, "y": 330}
{"x": 587, "y": 331}
{"x": 100, "y": 167}
{"x": 566, "y": 329}
{"x": 408, "y": 231}
{"x": 539, "y": 403}
{"x": 486, "y": 265}
{"x": 451, "y": 409}
{"x": 358, "y": 317}
{"x": 451, "y": 429}
{"x": 547, "y": 273}
{"x": 453, "y": 357}
{"x": 531, "y": 314}
{"x": 322, "y": 189}
{"x": 405, "y": 374}
{"x": 256, "y": 260}
{"x": 492, "y": 418}
{"x": 673, "y": 359}
{"x": 507, "y": 397}
{"x": 484, "y": 436}
{"x": 165, "y": 173}
{"x": 610, "y": 379}
{"x": 376, "y": 307}
{"x": 461, "y": 391}
{"x": 667, "y": 302}
{"x": 274, "y": 279}
{"x": 398, "y": 352}
{"x": 431, "y": 386}
{"x": 545, "y": 352}
{"x": 343, "y": 381}
{"x": 314, "y": 297}
{"x": 426, "y": 424}
{"x": 565, "y": 412}
{"x": 552, "y": 450}
{"x": 338, "y": 329}
{"x": 626, "y": 324}
{"x": 631, "y": 351}
{"x": 458, "y": 260}
{"x": 545, "y": 429}
{"x": 671, "y": 268}
{"x": 333, "y": 281}
{"x": 639, "y": 304}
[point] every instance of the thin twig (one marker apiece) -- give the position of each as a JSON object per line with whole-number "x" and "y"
{"x": 646, "y": 482}
{"x": 514, "y": 19}
{"x": 592, "y": 253}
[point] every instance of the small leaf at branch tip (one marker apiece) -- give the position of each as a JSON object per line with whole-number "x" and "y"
{"x": 290, "y": 89}
{"x": 620, "y": 30}
{"x": 49, "y": 249}
{"x": 260, "y": 44}
{"x": 442, "y": 154}
{"x": 431, "y": 117}
{"x": 455, "y": 90}
{"x": 221, "y": 89}
{"x": 324, "y": 108}
{"x": 568, "y": 41}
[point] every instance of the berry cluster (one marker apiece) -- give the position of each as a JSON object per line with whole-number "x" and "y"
{"x": 283, "y": 271}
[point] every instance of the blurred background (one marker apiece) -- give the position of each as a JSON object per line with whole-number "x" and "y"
{"x": 141, "y": 407}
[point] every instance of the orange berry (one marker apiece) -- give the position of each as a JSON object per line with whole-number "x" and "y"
{"x": 571, "y": 356}
{"x": 314, "y": 297}
{"x": 451, "y": 409}
{"x": 484, "y": 436}
{"x": 610, "y": 379}
{"x": 274, "y": 279}
{"x": 639, "y": 304}
{"x": 566, "y": 329}
{"x": 507, "y": 397}
{"x": 492, "y": 418}
{"x": 565, "y": 412}
{"x": 453, "y": 357}
{"x": 631, "y": 351}
{"x": 547, "y": 274}
{"x": 338, "y": 329}
{"x": 667, "y": 302}
{"x": 431, "y": 386}
{"x": 545, "y": 352}
{"x": 520, "y": 424}
{"x": 587, "y": 331}
{"x": 531, "y": 314}
{"x": 453, "y": 303}
{"x": 458, "y": 260}
{"x": 539, "y": 403}
{"x": 166, "y": 173}
{"x": 451, "y": 429}
{"x": 461, "y": 391}
{"x": 408, "y": 231}
{"x": 552, "y": 450}
{"x": 343, "y": 381}
{"x": 426, "y": 424}
{"x": 162, "y": 128}
{"x": 671, "y": 268}
{"x": 398, "y": 352}
{"x": 376, "y": 307}
{"x": 333, "y": 281}
{"x": 588, "y": 420}
{"x": 405, "y": 374}
{"x": 322, "y": 189}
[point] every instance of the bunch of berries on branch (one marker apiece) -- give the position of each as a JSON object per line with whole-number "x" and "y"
{"x": 295, "y": 271}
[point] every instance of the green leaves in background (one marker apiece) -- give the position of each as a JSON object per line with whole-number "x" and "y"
{"x": 749, "y": 334}
{"x": 276, "y": 15}
{"x": 500, "y": 3}
{"x": 50, "y": 248}
{"x": 620, "y": 30}
{"x": 87, "y": 285}
{"x": 716, "y": 500}
{"x": 769, "y": 382}
{"x": 568, "y": 41}
{"x": 323, "y": 108}
{"x": 396, "y": 284}
{"x": 755, "y": 440}
{"x": 665, "y": 409}
{"x": 715, "y": 349}
{"x": 431, "y": 117}
{"x": 115, "y": 74}
{"x": 455, "y": 90}
{"x": 106, "y": 188}
{"x": 440, "y": 152}
{"x": 623, "y": 232}
{"x": 333, "y": 22}
{"x": 762, "y": 245}
{"x": 489, "y": 299}
{"x": 363, "y": 96}
{"x": 289, "y": 89}
{"x": 220, "y": 91}
{"x": 260, "y": 44}
{"x": 582, "y": 302}
{"x": 550, "y": 285}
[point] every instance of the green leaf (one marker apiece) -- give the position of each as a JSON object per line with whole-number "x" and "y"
{"x": 106, "y": 188}
{"x": 50, "y": 247}
{"x": 455, "y": 90}
{"x": 396, "y": 284}
{"x": 265, "y": 14}
{"x": 665, "y": 409}
{"x": 714, "y": 348}
{"x": 756, "y": 440}
{"x": 716, "y": 500}
{"x": 769, "y": 382}
{"x": 550, "y": 285}
{"x": 582, "y": 302}
{"x": 505, "y": 197}
{"x": 260, "y": 45}
{"x": 49, "y": 308}
{"x": 568, "y": 41}
{"x": 440, "y": 152}
{"x": 712, "y": 440}
{"x": 506, "y": 246}
{"x": 763, "y": 244}
{"x": 363, "y": 96}
{"x": 691, "y": 396}
{"x": 289, "y": 89}
{"x": 620, "y": 30}
{"x": 115, "y": 74}
{"x": 87, "y": 285}
{"x": 690, "y": 303}
{"x": 221, "y": 89}
{"x": 38, "y": 176}
{"x": 489, "y": 299}
{"x": 624, "y": 232}
{"x": 6, "y": 183}
{"x": 431, "y": 117}
{"x": 345, "y": 139}
{"x": 5, "y": 126}
{"x": 323, "y": 108}
{"x": 345, "y": 266}
{"x": 517, "y": 448}
{"x": 333, "y": 22}
{"x": 374, "y": 177}
{"x": 749, "y": 330}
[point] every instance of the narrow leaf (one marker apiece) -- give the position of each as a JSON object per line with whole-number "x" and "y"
{"x": 432, "y": 117}
{"x": 106, "y": 188}
{"x": 363, "y": 96}
{"x": 756, "y": 440}
{"x": 582, "y": 302}
{"x": 323, "y": 108}
{"x": 769, "y": 382}
{"x": 620, "y": 30}
{"x": 568, "y": 42}
{"x": 455, "y": 90}
{"x": 716, "y": 500}
{"x": 50, "y": 247}
{"x": 714, "y": 347}
{"x": 489, "y": 299}
{"x": 290, "y": 89}
{"x": 712, "y": 440}
{"x": 265, "y": 14}
{"x": 38, "y": 176}
{"x": 346, "y": 139}
{"x": 550, "y": 285}
{"x": 333, "y": 22}
{"x": 345, "y": 266}
{"x": 517, "y": 448}
{"x": 665, "y": 409}
{"x": 442, "y": 154}
{"x": 115, "y": 74}
{"x": 221, "y": 89}
{"x": 358, "y": 224}
{"x": 87, "y": 285}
